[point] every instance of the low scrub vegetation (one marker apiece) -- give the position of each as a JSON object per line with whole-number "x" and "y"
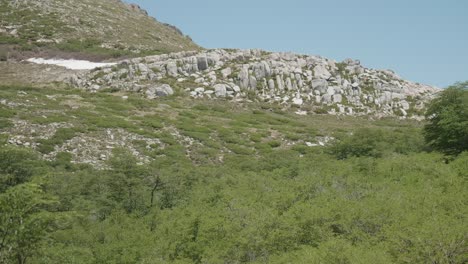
{"x": 230, "y": 185}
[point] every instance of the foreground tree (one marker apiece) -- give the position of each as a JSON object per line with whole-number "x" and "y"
{"x": 447, "y": 115}
{"x": 24, "y": 222}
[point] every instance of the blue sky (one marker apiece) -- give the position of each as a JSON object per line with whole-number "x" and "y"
{"x": 423, "y": 41}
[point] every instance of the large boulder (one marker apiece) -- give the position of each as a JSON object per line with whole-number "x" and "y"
{"x": 405, "y": 105}
{"x": 289, "y": 85}
{"x": 326, "y": 99}
{"x": 337, "y": 98}
{"x": 253, "y": 82}
{"x": 320, "y": 85}
{"x": 280, "y": 82}
{"x": 262, "y": 70}
{"x": 202, "y": 63}
{"x": 226, "y": 72}
{"x": 220, "y": 90}
{"x": 271, "y": 84}
{"x": 159, "y": 91}
{"x": 321, "y": 72}
{"x": 244, "y": 78}
{"x": 298, "y": 101}
{"x": 171, "y": 68}
{"x": 191, "y": 64}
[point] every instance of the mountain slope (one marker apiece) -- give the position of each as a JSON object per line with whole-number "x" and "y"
{"x": 102, "y": 27}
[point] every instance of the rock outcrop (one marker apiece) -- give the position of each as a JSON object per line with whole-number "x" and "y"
{"x": 292, "y": 80}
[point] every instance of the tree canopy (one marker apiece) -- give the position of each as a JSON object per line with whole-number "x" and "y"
{"x": 447, "y": 115}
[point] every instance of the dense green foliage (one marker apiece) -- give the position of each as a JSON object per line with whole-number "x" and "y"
{"x": 246, "y": 190}
{"x": 447, "y": 129}
{"x": 293, "y": 209}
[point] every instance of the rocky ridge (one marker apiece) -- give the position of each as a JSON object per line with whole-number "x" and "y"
{"x": 310, "y": 83}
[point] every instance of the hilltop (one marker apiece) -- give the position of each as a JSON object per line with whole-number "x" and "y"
{"x": 93, "y": 29}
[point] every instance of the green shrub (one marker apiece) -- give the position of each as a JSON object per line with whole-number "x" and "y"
{"x": 16, "y": 166}
{"x": 376, "y": 143}
{"x": 61, "y": 135}
{"x": 274, "y": 143}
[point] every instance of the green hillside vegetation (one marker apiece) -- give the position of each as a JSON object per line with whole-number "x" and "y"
{"x": 246, "y": 190}
{"x": 92, "y": 29}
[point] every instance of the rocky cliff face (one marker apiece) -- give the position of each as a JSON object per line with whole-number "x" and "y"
{"x": 309, "y": 83}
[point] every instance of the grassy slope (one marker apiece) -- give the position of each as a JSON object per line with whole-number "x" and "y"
{"x": 246, "y": 190}
{"x": 104, "y": 27}
{"x": 217, "y": 124}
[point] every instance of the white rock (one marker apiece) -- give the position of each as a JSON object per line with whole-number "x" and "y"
{"x": 226, "y": 72}
{"x": 337, "y": 98}
{"x": 171, "y": 68}
{"x": 321, "y": 72}
{"x": 320, "y": 85}
{"x": 200, "y": 90}
{"x": 220, "y": 90}
{"x": 280, "y": 82}
{"x": 200, "y": 80}
{"x": 405, "y": 105}
{"x": 244, "y": 78}
{"x": 271, "y": 84}
{"x": 298, "y": 101}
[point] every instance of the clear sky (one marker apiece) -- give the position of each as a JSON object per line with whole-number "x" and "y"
{"x": 422, "y": 40}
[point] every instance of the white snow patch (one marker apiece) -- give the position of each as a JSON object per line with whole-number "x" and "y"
{"x": 71, "y": 64}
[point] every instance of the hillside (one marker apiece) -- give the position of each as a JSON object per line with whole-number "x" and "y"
{"x": 152, "y": 150}
{"x": 86, "y": 28}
